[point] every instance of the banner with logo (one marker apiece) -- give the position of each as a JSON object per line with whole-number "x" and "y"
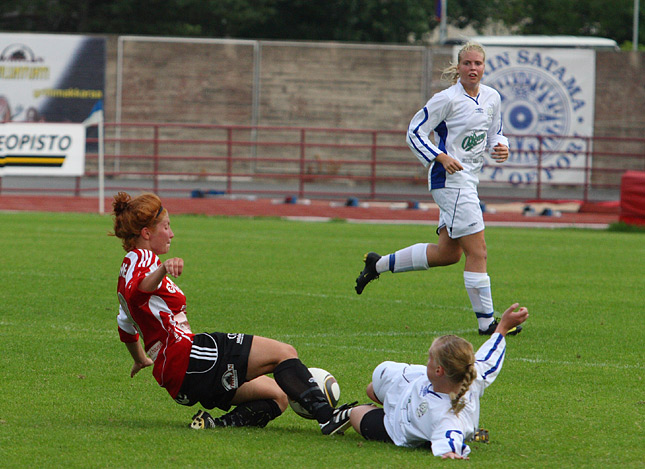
{"x": 547, "y": 111}
{"x": 39, "y": 149}
{"x": 50, "y": 78}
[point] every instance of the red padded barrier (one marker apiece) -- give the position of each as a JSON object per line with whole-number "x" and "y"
{"x": 632, "y": 198}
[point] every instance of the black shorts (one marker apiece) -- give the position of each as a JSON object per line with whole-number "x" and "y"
{"x": 373, "y": 426}
{"x": 216, "y": 369}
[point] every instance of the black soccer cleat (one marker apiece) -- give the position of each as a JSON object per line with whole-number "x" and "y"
{"x": 202, "y": 420}
{"x": 493, "y": 325}
{"x": 339, "y": 421}
{"x": 369, "y": 273}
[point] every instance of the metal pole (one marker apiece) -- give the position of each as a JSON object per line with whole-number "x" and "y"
{"x": 442, "y": 25}
{"x": 255, "y": 102}
{"x": 101, "y": 169}
{"x": 119, "y": 97}
{"x": 636, "y": 18}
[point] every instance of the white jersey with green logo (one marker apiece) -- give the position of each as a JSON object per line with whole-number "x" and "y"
{"x": 464, "y": 127}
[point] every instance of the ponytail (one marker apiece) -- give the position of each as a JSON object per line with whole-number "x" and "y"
{"x": 457, "y": 357}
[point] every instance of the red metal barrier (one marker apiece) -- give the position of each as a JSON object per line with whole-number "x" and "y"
{"x": 199, "y": 160}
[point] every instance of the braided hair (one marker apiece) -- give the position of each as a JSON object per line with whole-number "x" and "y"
{"x": 457, "y": 357}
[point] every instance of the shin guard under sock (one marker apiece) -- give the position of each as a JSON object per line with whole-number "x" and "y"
{"x": 250, "y": 414}
{"x": 296, "y": 381}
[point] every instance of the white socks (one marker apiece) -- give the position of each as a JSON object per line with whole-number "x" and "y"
{"x": 407, "y": 259}
{"x": 477, "y": 283}
{"x": 478, "y": 288}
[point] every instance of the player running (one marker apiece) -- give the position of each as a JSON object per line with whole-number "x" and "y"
{"x": 466, "y": 121}
{"x": 437, "y": 403}
{"x": 216, "y": 369}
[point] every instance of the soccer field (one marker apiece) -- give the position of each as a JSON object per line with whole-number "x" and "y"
{"x": 570, "y": 394}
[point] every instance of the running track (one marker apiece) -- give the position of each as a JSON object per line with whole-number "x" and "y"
{"x": 315, "y": 210}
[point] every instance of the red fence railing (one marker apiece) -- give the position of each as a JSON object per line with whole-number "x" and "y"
{"x": 198, "y": 160}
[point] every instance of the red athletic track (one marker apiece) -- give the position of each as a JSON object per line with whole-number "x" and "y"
{"x": 315, "y": 210}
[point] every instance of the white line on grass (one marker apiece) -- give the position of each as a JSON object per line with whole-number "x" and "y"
{"x": 590, "y": 364}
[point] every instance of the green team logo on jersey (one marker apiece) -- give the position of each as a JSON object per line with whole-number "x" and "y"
{"x": 472, "y": 141}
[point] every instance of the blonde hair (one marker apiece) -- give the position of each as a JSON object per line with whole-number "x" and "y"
{"x": 457, "y": 357}
{"x": 132, "y": 215}
{"x": 451, "y": 72}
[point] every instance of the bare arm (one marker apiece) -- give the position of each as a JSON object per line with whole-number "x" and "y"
{"x": 141, "y": 360}
{"x": 173, "y": 266}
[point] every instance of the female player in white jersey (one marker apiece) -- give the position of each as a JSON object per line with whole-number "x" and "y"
{"x": 466, "y": 121}
{"x": 437, "y": 403}
{"x": 216, "y": 369}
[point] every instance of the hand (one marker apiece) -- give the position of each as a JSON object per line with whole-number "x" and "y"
{"x": 140, "y": 366}
{"x": 500, "y": 153}
{"x": 512, "y": 318}
{"x": 452, "y": 455}
{"x": 450, "y": 164}
{"x": 174, "y": 266}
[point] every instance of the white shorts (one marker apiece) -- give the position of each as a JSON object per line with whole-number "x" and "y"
{"x": 392, "y": 378}
{"x": 459, "y": 211}
{"x": 384, "y": 376}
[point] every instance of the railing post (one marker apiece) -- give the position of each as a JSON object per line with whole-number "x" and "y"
{"x": 77, "y": 189}
{"x": 301, "y": 178}
{"x": 155, "y": 183}
{"x": 587, "y": 181}
{"x": 539, "y": 168}
{"x": 229, "y": 160}
{"x": 373, "y": 167}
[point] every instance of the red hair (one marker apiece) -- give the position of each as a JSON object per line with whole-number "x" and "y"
{"x": 132, "y": 215}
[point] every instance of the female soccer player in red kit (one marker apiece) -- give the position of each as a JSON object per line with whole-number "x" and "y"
{"x": 215, "y": 369}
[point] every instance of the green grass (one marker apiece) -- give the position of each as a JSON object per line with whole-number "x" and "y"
{"x": 570, "y": 394}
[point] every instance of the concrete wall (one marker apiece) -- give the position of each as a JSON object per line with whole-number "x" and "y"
{"x": 330, "y": 85}
{"x": 321, "y": 84}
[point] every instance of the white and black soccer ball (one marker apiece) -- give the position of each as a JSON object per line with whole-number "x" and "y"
{"x": 328, "y": 385}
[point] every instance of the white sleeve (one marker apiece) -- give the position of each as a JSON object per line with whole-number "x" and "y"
{"x": 423, "y": 123}
{"x": 448, "y": 440}
{"x": 495, "y": 133}
{"x": 489, "y": 360}
{"x": 123, "y": 319}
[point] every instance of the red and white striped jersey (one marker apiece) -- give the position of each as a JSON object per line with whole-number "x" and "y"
{"x": 158, "y": 317}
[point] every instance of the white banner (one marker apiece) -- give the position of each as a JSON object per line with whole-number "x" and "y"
{"x": 548, "y": 110}
{"x": 50, "y": 77}
{"x": 42, "y": 149}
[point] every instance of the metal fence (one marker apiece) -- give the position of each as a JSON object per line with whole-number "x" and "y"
{"x": 190, "y": 160}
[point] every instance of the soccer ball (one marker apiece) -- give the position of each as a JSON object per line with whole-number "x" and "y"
{"x": 329, "y": 386}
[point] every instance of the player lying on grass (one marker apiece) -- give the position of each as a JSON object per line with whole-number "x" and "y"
{"x": 216, "y": 369}
{"x": 437, "y": 403}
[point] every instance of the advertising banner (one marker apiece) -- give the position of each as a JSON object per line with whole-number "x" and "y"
{"x": 547, "y": 110}
{"x": 41, "y": 149}
{"x": 50, "y": 77}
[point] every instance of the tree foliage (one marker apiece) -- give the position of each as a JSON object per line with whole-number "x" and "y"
{"x": 338, "y": 20}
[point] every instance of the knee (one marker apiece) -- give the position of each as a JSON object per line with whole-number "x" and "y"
{"x": 287, "y": 351}
{"x": 480, "y": 253}
{"x": 282, "y": 400}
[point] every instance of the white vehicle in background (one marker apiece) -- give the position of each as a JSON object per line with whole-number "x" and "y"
{"x": 580, "y": 42}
